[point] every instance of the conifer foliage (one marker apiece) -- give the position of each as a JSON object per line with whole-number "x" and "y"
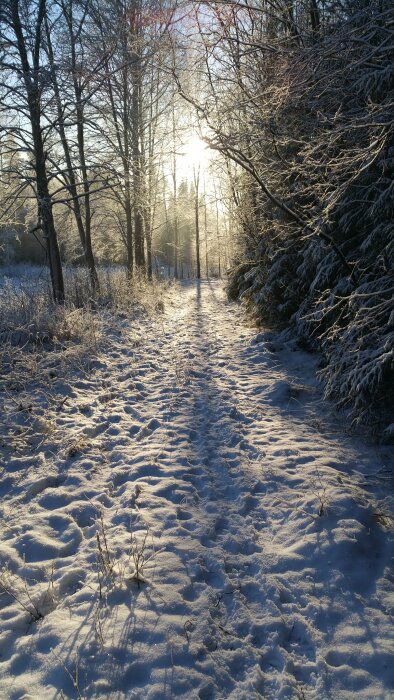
{"x": 322, "y": 139}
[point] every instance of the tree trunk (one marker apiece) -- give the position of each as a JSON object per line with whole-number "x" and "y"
{"x": 45, "y": 216}
{"x": 315, "y": 18}
{"x": 125, "y": 151}
{"x": 218, "y": 238}
{"x": 175, "y": 195}
{"x": 148, "y": 235}
{"x": 84, "y": 231}
{"x": 129, "y": 222}
{"x": 89, "y": 257}
{"x": 197, "y": 221}
{"x": 88, "y": 251}
{"x": 72, "y": 183}
{"x": 206, "y": 232}
{"x": 137, "y": 173}
{"x": 45, "y": 213}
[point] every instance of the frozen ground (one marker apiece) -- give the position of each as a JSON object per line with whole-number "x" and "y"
{"x": 202, "y": 453}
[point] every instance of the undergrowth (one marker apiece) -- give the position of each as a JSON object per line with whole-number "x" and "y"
{"x": 31, "y": 324}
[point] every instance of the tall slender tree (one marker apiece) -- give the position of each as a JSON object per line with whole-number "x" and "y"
{"x": 22, "y": 27}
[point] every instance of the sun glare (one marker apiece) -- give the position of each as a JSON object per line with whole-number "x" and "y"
{"x": 195, "y": 153}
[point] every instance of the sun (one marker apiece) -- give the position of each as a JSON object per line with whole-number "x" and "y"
{"x": 195, "y": 153}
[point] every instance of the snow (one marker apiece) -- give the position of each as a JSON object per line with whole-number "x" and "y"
{"x": 192, "y": 521}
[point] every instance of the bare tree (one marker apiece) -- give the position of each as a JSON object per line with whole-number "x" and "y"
{"x": 74, "y": 112}
{"x": 196, "y": 183}
{"x": 23, "y": 25}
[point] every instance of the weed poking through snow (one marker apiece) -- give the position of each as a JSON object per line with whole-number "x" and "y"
{"x": 18, "y": 590}
{"x": 114, "y": 571}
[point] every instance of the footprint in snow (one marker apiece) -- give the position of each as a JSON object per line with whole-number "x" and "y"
{"x": 190, "y": 593}
{"x": 183, "y": 514}
{"x": 148, "y": 429}
{"x": 40, "y": 485}
{"x": 94, "y": 430}
{"x": 249, "y": 504}
{"x": 48, "y": 537}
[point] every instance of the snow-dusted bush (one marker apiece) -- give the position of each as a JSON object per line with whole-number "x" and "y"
{"x": 28, "y": 317}
{"x": 116, "y": 290}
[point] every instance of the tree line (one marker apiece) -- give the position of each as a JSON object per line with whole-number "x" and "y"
{"x": 91, "y": 127}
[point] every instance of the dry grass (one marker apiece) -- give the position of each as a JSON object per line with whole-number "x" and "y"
{"x": 29, "y": 317}
{"x": 30, "y": 322}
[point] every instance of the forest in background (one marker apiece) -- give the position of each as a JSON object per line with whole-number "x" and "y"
{"x": 98, "y": 99}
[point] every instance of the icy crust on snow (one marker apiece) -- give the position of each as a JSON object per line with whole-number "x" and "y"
{"x": 266, "y": 563}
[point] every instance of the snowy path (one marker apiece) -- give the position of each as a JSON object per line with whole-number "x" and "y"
{"x": 267, "y": 572}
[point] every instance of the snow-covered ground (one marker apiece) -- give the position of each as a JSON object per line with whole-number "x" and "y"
{"x": 202, "y": 455}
